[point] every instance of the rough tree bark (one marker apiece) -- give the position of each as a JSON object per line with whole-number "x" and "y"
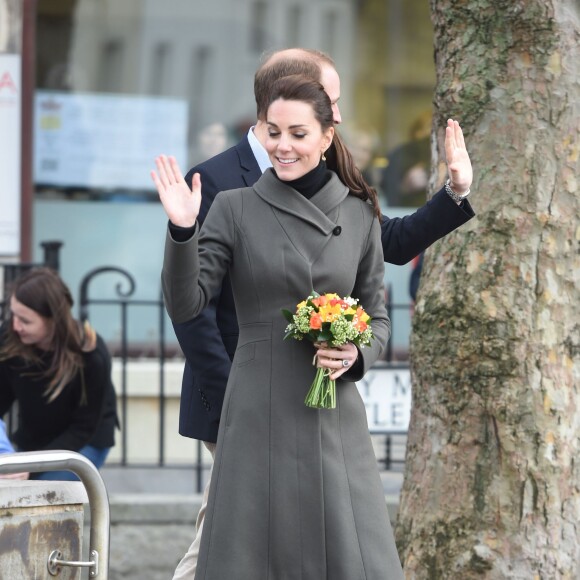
{"x": 492, "y": 481}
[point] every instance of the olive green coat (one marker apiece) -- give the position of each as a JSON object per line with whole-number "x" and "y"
{"x": 295, "y": 492}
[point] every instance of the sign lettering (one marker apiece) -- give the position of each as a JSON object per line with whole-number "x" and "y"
{"x": 386, "y": 393}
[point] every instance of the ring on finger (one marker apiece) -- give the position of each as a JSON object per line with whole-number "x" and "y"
{"x": 345, "y": 363}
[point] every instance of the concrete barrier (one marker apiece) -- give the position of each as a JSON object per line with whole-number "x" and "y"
{"x": 36, "y": 518}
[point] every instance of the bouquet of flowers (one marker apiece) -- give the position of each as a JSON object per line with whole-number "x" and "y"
{"x": 334, "y": 320}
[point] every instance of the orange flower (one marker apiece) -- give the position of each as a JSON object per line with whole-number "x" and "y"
{"x": 315, "y": 321}
{"x": 360, "y": 319}
{"x": 319, "y": 301}
{"x": 338, "y": 301}
{"x": 360, "y": 313}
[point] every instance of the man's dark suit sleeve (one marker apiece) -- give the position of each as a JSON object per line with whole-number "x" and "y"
{"x": 207, "y": 360}
{"x": 404, "y": 238}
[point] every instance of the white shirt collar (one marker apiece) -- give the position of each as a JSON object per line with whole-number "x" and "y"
{"x": 259, "y": 151}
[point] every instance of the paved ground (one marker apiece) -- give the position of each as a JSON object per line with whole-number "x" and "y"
{"x": 392, "y": 482}
{"x": 182, "y": 480}
{"x": 148, "y": 506}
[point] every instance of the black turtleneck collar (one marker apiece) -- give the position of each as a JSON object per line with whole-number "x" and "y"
{"x": 311, "y": 182}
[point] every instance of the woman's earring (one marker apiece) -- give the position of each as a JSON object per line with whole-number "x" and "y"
{"x": 323, "y": 156}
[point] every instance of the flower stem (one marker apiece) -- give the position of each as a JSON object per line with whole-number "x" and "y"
{"x": 322, "y": 393}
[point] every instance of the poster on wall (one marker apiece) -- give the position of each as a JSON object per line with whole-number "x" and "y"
{"x": 103, "y": 141}
{"x": 10, "y": 154}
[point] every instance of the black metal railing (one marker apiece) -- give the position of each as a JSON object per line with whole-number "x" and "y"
{"x": 394, "y": 442}
{"x": 124, "y": 301}
{"x": 395, "y": 447}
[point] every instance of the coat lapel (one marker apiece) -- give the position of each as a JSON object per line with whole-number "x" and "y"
{"x": 292, "y": 210}
{"x": 320, "y": 211}
{"x": 249, "y": 166}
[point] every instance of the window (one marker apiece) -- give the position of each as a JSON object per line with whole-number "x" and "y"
{"x": 330, "y": 33}
{"x": 293, "y": 25}
{"x": 111, "y": 67}
{"x": 258, "y": 23}
{"x": 119, "y": 82}
{"x": 199, "y": 89}
{"x": 160, "y": 70}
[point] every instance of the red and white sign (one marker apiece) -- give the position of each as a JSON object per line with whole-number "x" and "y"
{"x": 7, "y": 84}
{"x": 10, "y": 154}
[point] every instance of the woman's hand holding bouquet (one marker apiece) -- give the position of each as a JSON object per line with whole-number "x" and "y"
{"x": 336, "y": 326}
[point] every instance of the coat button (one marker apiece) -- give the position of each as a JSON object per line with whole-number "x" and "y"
{"x": 336, "y": 231}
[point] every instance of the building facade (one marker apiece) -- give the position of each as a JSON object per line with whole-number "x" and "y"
{"x": 116, "y": 83}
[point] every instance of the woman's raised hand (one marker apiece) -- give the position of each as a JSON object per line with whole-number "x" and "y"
{"x": 458, "y": 162}
{"x": 181, "y": 203}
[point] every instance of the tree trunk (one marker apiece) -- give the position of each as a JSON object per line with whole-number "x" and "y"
{"x": 492, "y": 480}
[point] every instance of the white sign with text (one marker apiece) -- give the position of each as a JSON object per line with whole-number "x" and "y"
{"x": 386, "y": 393}
{"x": 105, "y": 141}
{"x": 10, "y": 153}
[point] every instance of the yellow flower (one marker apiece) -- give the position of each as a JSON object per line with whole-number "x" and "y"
{"x": 330, "y": 312}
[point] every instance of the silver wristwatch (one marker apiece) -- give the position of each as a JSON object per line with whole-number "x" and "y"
{"x": 455, "y": 196}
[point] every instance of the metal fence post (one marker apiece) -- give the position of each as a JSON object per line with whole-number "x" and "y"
{"x": 52, "y": 254}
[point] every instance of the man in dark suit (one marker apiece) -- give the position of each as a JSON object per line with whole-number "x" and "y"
{"x": 209, "y": 341}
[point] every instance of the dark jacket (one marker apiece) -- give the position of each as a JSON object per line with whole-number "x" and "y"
{"x": 84, "y": 413}
{"x": 209, "y": 340}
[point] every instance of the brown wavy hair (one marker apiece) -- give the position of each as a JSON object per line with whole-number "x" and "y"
{"x": 338, "y": 157}
{"x": 43, "y": 291}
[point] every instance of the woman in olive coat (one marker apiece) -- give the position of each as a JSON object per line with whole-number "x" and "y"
{"x": 295, "y": 491}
